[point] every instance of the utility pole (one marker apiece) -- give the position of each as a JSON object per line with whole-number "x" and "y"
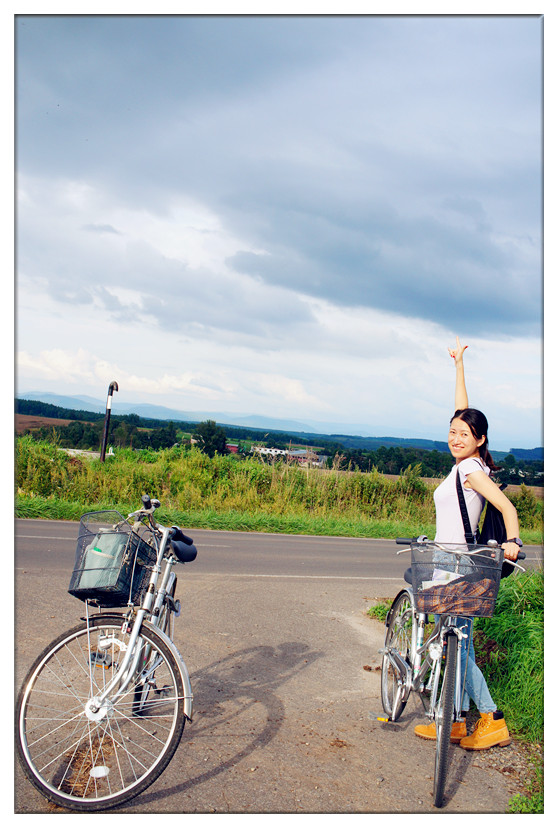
{"x": 112, "y": 387}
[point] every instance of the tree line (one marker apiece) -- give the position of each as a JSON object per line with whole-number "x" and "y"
{"x": 133, "y": 431}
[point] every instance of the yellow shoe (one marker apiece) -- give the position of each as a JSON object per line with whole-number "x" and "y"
{"x": 458, "y": 731}
{"x": 490, "y": 730}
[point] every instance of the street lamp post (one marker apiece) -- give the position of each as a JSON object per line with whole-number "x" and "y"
{"x": 112, "y": 388}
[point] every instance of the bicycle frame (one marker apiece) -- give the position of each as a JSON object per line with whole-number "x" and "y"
{"x": 152, "y": 604}
{"x": 446, "y": 625}
{"x": 426, "y": 655}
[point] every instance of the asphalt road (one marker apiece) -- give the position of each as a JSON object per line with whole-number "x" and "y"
{"x": 284, "y": 666}
{"x": 234, "y": 553}
{"x": 52, "y": 543}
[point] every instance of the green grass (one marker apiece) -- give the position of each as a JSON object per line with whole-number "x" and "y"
{"x": 379, "y": 611}
{"x": 236, "y": 494}
{"x": 515, "y": 670}
{"x": 531, "y": 802}
{"x": 31, "y": 506}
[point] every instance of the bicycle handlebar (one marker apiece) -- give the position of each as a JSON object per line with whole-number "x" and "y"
{"x": 423, "y": 539}
{"x": 182, "y": 546}
{"x": 177, "y": 534}
{"x": 149, "y": 504}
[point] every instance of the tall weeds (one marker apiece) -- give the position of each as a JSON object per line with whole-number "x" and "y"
{"x": 515, "y": 669}
{"x": 190, "y": 483}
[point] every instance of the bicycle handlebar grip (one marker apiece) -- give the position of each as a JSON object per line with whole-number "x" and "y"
{"x": 178, "y": 535}
{"x": 184, "y": 553}
{"x": 146, "y": 500}
{"x": 405, "y": 541}
{"x": 521, "y": 555}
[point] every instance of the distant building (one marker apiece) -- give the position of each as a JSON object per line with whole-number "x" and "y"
{"x": 268, "y": 452}
{"x": 305, "y": 457}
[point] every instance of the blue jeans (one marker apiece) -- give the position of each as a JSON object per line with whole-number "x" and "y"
{"x": 475, "y": 686}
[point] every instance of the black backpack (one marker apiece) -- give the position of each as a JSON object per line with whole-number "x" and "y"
{"x": 493, "y": 527}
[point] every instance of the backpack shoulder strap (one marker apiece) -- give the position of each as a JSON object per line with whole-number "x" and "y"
{"x": 469, "y": 537}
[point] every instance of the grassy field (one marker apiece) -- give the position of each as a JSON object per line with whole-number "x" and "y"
{"x": 230, "y": 493}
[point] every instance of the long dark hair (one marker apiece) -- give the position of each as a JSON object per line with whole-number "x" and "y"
{"x": 478, "y": 424}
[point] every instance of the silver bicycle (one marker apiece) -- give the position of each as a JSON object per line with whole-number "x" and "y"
{"x": 451, "y": 583}
{"x": 101, "y": 712}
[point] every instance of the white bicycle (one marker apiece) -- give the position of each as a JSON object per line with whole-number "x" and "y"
{"x": 453, "y": 584}
{"x": 101, "y": 712}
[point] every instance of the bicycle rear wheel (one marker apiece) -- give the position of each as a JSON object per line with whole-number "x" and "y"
{"x": 444, "y": 720}
{"x": 86, "y": 759}
{"x": 398, "y": 637}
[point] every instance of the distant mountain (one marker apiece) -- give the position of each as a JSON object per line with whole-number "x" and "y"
{"x": 160, "y": 412}
{"x": 348, "y": 435}
{"x": 528, "y": 454}
{"x": 78, "y": 403}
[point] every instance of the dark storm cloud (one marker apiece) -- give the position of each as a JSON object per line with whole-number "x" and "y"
{"x": 390, "y": 163}
{"x": 417, "y": 267}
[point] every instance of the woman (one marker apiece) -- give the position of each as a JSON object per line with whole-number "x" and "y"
{"x": 468, "y": 444}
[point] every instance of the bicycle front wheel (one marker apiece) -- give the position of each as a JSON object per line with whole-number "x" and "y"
{"x": 398, "y": 637}
{"x": 444, "y": 720}
{"x": 89, "y": 757}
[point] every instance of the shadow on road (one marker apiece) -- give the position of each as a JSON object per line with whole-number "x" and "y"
{"x": 236, "y": 711}
{"x": 459, "y": 761}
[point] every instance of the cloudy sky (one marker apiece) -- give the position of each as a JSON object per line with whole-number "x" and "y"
{"x": 284, "y": 216}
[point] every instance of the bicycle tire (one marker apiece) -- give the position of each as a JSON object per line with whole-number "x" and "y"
{"x": 89, "y": 761}
{"x": 444, "y": 720}
{"x": 400, "y": 622}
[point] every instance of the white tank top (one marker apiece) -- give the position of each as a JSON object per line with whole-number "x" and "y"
{"x": 449, "y": 524}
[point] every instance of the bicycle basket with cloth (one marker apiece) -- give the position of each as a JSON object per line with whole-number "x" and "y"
{"x": 112, "y": 563}
{"x": 448, "y": 583}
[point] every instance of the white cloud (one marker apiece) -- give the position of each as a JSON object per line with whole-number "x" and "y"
{"x": 57, "y": 364}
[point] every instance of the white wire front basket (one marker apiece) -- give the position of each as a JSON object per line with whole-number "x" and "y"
{"x": 461, "y": 582}
{"x": 113, "y": 563}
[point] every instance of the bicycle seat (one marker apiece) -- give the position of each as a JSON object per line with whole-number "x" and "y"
{"x": 408, "y": 576}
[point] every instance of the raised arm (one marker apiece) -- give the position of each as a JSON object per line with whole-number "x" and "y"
{"x": 461, "y": 398}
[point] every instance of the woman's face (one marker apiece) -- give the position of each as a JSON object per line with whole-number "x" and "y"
{"x": 461, "y": 442}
